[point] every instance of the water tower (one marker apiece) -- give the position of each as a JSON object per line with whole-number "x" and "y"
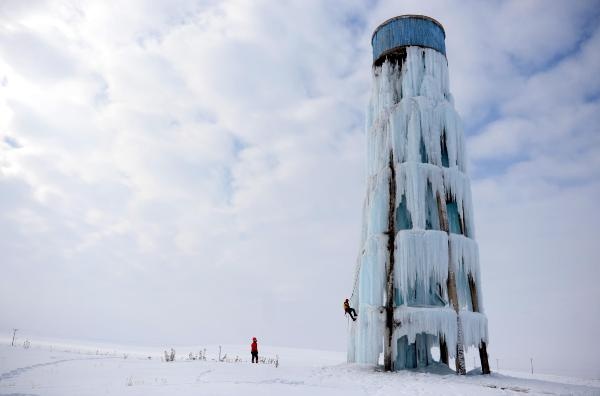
{"x": 417, "y": 285}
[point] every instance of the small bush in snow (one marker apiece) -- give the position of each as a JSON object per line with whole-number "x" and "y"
{"x": 170, "y": 357}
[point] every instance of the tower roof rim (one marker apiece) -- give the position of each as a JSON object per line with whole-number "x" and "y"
{"x": 406, "y": 16}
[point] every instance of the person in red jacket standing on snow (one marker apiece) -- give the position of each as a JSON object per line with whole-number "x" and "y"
{"x": 254, "y": 350}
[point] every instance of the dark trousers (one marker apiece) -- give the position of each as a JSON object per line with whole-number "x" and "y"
{"x": 254, "y": 356}
{"x": 351, "y": 311}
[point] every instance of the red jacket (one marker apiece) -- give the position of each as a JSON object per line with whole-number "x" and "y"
{"x": 254, "y": 346}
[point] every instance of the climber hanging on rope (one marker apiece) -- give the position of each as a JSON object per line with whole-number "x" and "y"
{"x": 349, "y": 310}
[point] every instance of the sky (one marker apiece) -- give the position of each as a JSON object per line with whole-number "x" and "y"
{"x": 192, "y": 172}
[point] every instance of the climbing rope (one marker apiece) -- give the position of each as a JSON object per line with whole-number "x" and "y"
{"x": 356, "y": 273}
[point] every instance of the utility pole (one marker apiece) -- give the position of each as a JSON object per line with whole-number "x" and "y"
{"x": 531, "y": 360}
{"x": 497, "y": 364}
{"x": 13, "y": 339}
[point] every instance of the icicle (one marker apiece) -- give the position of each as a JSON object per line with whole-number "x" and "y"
{"x": 465, "y": 254}
{"x": 458, "y": 187}
{"x": 371, "y": 289}
{"x": 369, "y": 334}
{"x": 372, "y": 272}
{"x": 464, "y": 261}
{"x": 377, "y": 203}
{"x": 398, "y": 126}
{"x": 411, "y": 182}
{"x": 431, "y": 129}
{"x": 413, "y": 104}
{"x": 435, "y": 321}
{"x": 378, "y": 148}
{"x": 475, "y": 328}
{"x": 384, "y": 93}
{"x": 420, "y": 255}
{"x": 410, "y": 185}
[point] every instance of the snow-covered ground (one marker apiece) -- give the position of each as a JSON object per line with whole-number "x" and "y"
{"x": 80, "y": 370}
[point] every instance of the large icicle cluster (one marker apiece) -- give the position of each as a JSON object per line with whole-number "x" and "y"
{"x": 412, "y": 120}
{"x": 475, "y": 328}
{"x": 407, "y": 108}
{"x": 413, "y": 179}
{"x": 464, "y": 260}
{"x": 440, "y": 322}
{"x": 435, "y": 321}
{"x": 423, "y": 256}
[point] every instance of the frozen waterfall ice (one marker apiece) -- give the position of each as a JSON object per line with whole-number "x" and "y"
{"x": 417, "y": 282}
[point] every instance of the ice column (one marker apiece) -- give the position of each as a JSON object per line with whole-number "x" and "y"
{"x": 417, "y": 283}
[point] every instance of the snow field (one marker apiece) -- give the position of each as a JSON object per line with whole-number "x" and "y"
{"x": 80, "y": 372}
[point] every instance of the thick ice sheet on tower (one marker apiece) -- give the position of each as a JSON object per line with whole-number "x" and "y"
{"x": 371, "y": 286}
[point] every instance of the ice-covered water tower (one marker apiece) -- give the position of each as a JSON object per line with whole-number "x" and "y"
{"x": 417, "y": 285}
